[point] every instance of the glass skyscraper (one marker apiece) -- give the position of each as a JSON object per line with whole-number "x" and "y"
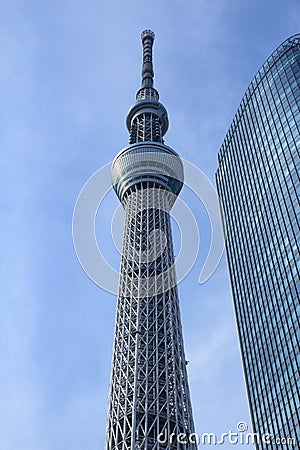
{"x": 258, "y": 185}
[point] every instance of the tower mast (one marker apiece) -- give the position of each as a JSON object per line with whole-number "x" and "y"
{"x": 149, "y": 400}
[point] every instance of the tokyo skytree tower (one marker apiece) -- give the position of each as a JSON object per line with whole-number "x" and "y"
{"x": 149, "y": 400}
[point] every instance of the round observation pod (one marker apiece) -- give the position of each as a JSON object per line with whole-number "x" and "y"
{"x": 145, "y": 162}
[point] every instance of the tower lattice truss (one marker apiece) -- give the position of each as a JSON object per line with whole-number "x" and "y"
{"x": 149, "y": 401}
{"x": 149, "y": 392}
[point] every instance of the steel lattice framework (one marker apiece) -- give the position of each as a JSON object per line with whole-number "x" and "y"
{"x": 149, "y": 395}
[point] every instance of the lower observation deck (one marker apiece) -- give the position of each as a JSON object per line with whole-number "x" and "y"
{"x": 147, "y": 162}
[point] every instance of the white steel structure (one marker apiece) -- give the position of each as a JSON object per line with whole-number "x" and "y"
{"x": 149, "y": 401}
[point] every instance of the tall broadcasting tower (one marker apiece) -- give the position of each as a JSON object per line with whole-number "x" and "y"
{"x": 149, "y": 400}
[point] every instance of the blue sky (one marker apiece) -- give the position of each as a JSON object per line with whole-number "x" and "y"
{"x": 69, "y": 71}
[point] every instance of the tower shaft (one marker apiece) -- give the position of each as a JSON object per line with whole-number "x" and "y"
{"x": 149, "y": 393}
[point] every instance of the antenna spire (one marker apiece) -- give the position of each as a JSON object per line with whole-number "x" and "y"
{"x": 147, "y": 120}
{"x": 147, "y": 71}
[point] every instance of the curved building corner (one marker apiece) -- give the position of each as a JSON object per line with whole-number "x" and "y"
{"x": 258, "y": 184}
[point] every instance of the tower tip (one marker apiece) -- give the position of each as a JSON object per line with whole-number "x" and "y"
{"x": 147, "y": 33}
{"x": 147, "y": 72}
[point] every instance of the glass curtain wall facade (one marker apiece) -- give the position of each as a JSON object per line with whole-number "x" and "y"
{"x": 258, "y": 184}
